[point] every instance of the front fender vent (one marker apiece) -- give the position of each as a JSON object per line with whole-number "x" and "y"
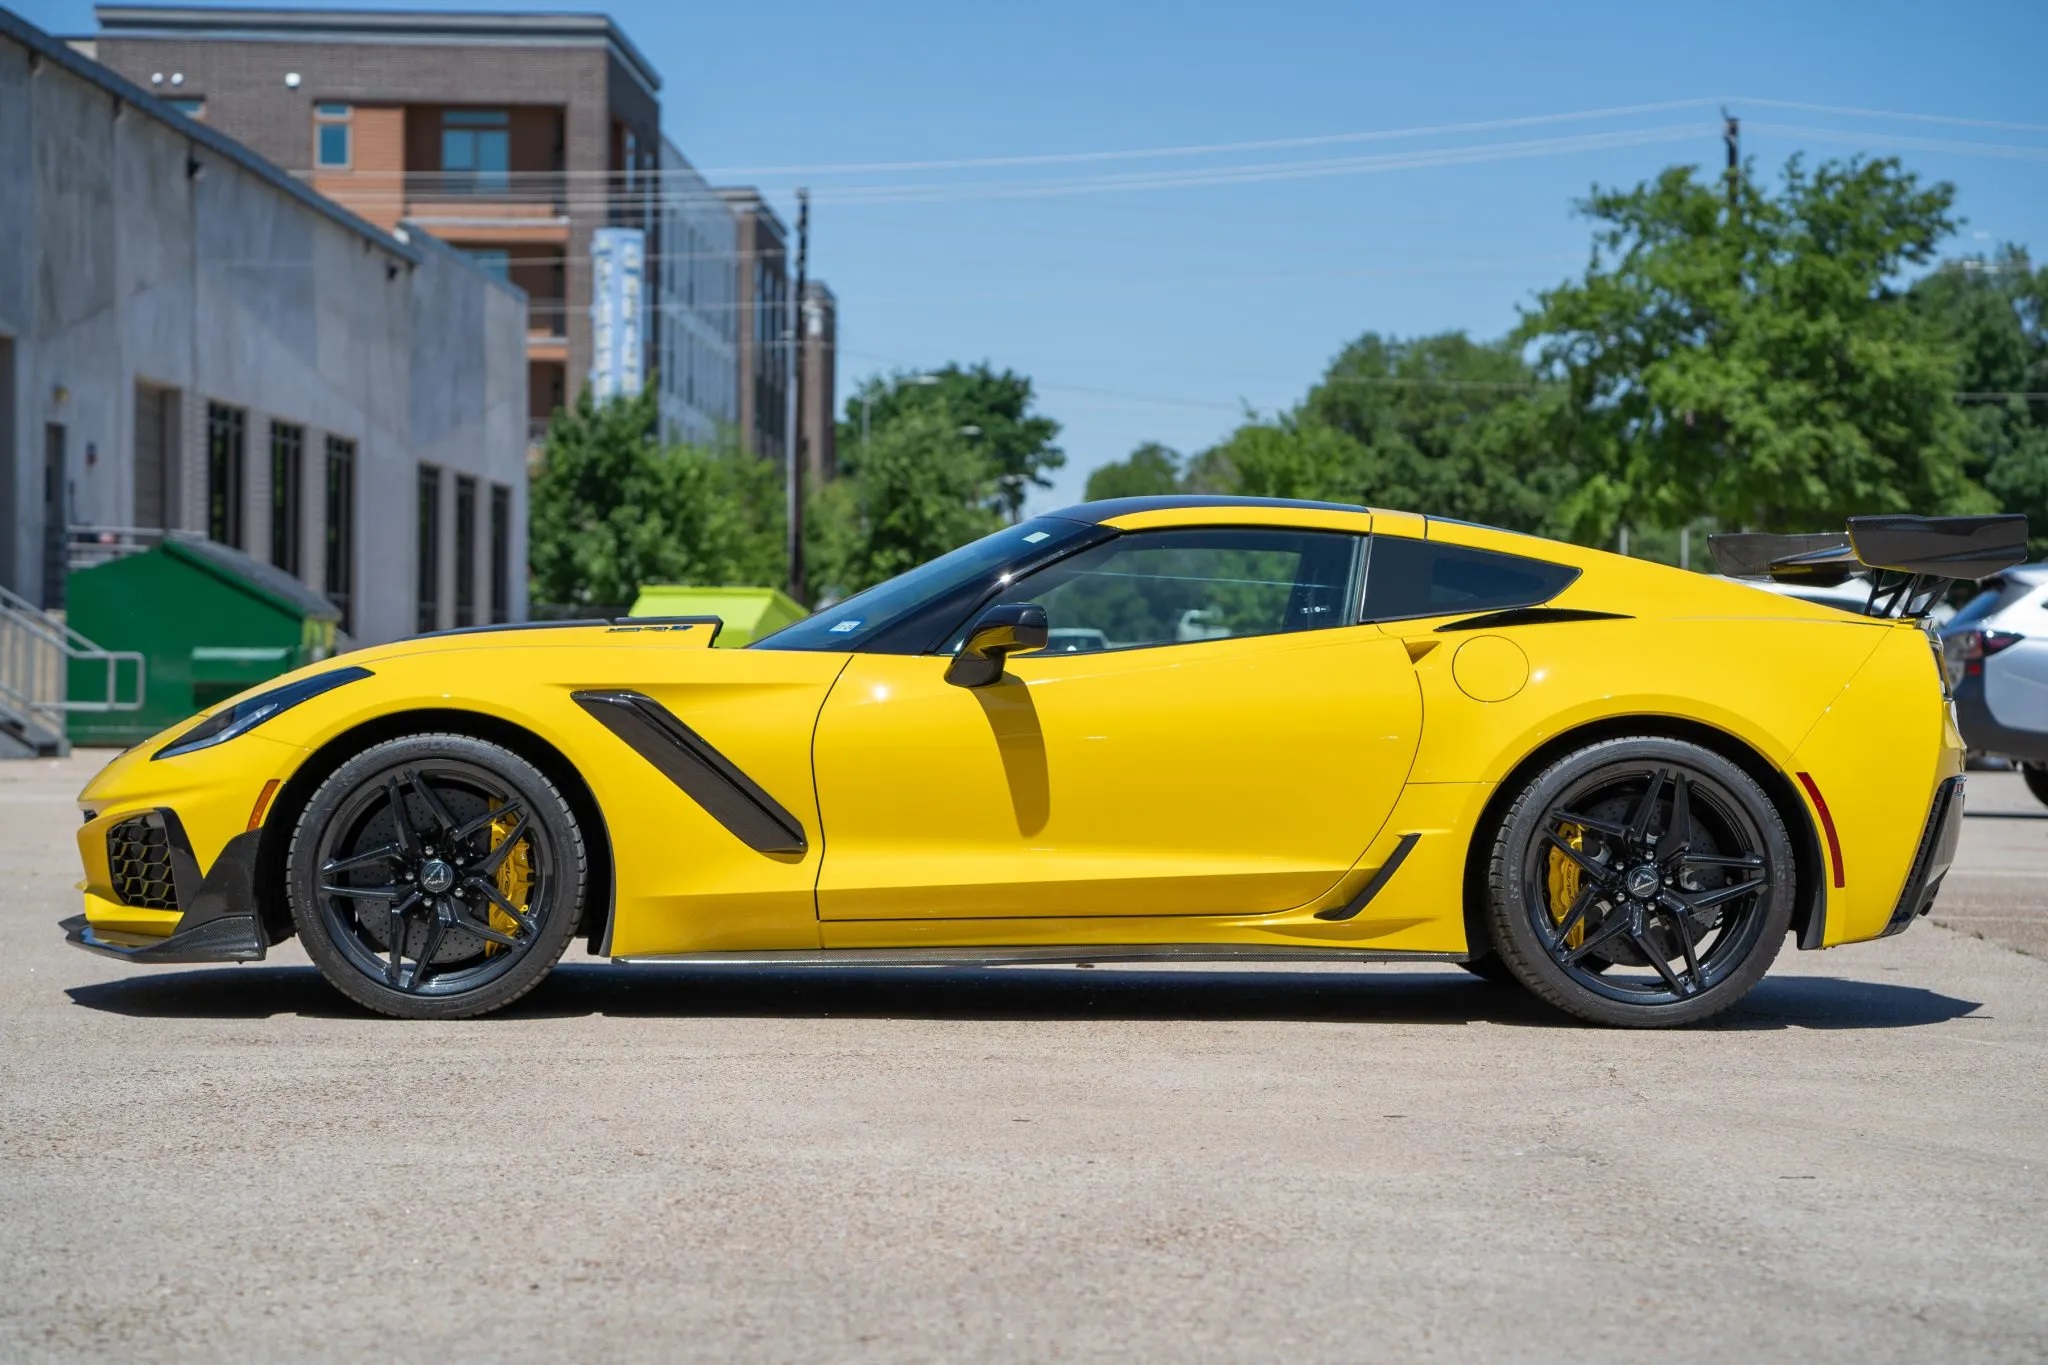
{"x": 139, "y": 857}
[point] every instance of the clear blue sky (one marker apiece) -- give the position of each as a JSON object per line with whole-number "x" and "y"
{"x": 1155, "y": 313}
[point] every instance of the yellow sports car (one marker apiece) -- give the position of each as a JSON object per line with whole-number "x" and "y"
{"x": 1186, "y": 728}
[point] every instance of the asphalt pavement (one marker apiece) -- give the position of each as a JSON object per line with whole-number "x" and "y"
{"x": 656, "y": 1163}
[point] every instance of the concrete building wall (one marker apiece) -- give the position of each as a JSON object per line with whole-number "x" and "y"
{"x": 819, "y": 421}
{"x": 145, "y": 250}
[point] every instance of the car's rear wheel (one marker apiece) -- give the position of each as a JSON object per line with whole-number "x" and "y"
{"x": 436, "y": 877}
{"x": 1644, "y": 882}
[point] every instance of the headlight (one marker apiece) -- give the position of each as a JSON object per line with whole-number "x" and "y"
{"x": 247, "y": 714}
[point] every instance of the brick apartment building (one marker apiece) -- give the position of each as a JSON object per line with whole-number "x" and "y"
{"x": 512, "y": 137}
{"x": 763, "y": 313}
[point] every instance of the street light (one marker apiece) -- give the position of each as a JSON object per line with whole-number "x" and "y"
{"x": 867, "y": 402}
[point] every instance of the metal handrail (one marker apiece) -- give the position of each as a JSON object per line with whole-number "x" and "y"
{"x": 91, "y": 546}
{"x": 37, "y": 648}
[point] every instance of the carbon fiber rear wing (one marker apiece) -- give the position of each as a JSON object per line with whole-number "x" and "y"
{"x": 1910, "y": 560}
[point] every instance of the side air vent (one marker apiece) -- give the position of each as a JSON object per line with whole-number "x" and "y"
{"x": 139, "y": 856}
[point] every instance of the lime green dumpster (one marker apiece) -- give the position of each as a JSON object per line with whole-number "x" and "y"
{"x": 209, "y": 621}
{"x": 748, "y": 613}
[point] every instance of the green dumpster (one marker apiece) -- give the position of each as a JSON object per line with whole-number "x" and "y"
{"x": 748, "y": 613}
{"x": 209, "y": 621}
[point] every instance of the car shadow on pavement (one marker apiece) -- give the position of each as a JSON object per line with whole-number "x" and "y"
{"x": 1068, "y": 993}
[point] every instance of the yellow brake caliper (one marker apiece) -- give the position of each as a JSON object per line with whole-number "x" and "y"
{"x": 514, "y": 879}
{"x": 1563, "y": 881}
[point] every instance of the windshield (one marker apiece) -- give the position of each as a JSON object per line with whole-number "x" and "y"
{"x": 964, "y": 574}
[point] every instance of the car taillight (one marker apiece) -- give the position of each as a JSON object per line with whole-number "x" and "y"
{"x": 1970, "y": 648}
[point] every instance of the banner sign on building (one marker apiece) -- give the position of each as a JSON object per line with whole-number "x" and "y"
{"x": 618, "y": 304}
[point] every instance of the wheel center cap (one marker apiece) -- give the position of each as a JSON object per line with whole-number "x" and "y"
{"x": 1642, "y": 881}
{"x": 436, "y": 876}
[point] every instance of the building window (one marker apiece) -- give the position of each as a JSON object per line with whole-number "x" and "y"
{"x": 476, "y": 148}
{"x": 429, "y": 549}
{"x": 493, "y": 261}
{"x": 341, "y": 528}
{"x": 331, "y": 136}
{"x": 225, "y": 427}
{"x": 465, "y": 550}
{"x": 287, "y": 454}
{"x": 188, "y": 106}
{"x": 501, "y": 554}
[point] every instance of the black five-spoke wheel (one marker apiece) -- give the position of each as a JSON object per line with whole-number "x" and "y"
{"x": 1641, "y": 881}
{"x": 436, "y": 876}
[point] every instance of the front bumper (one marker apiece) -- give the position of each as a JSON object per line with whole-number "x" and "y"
{"x": 221, "y": 920}
{"x": 1937, "y": 851}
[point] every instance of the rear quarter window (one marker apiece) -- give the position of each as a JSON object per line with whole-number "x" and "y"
{"x": 1409, "y": 578}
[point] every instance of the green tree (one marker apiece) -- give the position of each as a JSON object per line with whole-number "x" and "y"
{"x": 1753, "y": 363}
{"x": 923, "y": 487}
{"x": 1444, "y": 423}
{"x": 1440, "y": 424}
{"x": 991, "y": 408}
{"x": 1994, "y": 313}
{"x": 1150, "y": 469}
{"x": 1292, "y": 455}
{"x": 612, "y": 509}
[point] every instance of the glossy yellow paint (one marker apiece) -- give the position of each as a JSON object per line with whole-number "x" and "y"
{"x": 1877, "y": 755}
{"x": 1308, "y": 518}
{"x": 1111, "y": 783}
{"x": 1217, "y": 791}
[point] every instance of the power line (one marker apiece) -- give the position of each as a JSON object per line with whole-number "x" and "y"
{"x": 2006, "y": 150}
{"x": 1213, "y": 148}
{"x": 1904, "y": 117}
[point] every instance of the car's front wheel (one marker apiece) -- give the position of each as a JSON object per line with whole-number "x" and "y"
{"x": 436, "y": 877}
{"x": 2036, "y": 777}
{"x": 1644, "y": 882}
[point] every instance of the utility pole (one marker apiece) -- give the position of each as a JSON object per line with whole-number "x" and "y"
{"x": 793, "y": 441}
{"x": 1731, "y": 133}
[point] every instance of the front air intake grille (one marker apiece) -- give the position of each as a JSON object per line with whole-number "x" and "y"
{"x": 139, "y": 857}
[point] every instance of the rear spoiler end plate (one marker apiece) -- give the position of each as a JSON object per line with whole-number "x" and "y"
{"x": 1910, "y": 560}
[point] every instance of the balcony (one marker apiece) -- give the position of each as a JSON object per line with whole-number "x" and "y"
{"x": 534, "y": 191}
{"x": 505, "y": 206}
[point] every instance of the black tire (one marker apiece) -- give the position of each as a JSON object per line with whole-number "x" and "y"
{"x": 2036, "y": 776}
{"x": 1491, "y": 968}
{"x": 485, "y": 877}
{"x": 1685, "y": 882}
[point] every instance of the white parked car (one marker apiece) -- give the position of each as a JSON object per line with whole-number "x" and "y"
{"x": 1996, "y": 647}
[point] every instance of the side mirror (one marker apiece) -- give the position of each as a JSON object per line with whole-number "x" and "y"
{"x": 1005, "y": 629}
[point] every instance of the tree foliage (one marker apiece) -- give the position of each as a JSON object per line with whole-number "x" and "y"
{"x": 1994, "y": 314}
{"x": 1442, "y": 424}
{"x": 1753, "y": 362}
{"x": 612, "y": 509}
{"x": 992, "y": 408}
{"x": 922, "y": 487}
{"x": 1149, "y": 470}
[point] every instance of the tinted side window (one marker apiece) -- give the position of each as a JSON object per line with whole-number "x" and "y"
{"x": 1173, "y": 587}
{"x": 1406, "y": 578}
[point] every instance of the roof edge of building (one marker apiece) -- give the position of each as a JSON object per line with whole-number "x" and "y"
{"x": 53, "y": 49}
{"x": 219, "y": 21}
